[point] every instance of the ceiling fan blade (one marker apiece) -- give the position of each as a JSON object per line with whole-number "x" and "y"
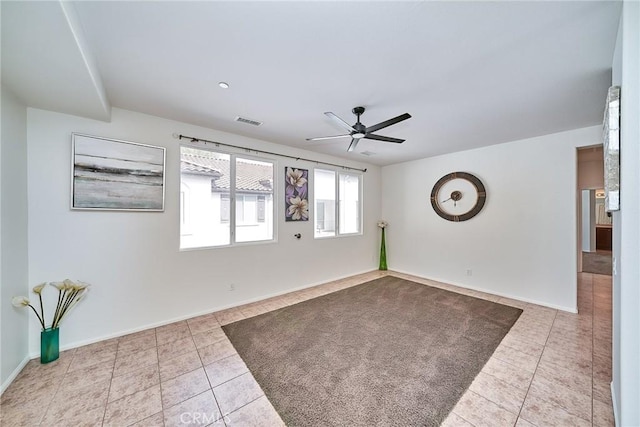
{"x": 339, "y": 121}
{"x": 384, "y": 138}
{"x": 354, "y": 142}
{"x": 320, "y": 138}
{"x": 389, "y": 122}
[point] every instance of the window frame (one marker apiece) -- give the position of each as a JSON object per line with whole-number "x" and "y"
{"x": 336, "y": 174}
{"x": 232, "y": 199}
{"x": 184, "y": 207}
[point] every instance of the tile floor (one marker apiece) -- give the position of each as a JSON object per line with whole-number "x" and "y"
{"x": 552, "y": 368}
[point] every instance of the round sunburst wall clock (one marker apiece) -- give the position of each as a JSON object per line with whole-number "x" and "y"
{"x": 458, "y": 196}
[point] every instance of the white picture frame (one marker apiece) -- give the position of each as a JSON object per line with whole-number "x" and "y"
{"x": 111, "y": 174}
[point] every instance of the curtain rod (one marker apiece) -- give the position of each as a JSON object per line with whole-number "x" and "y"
{"x": 194, "y": 139}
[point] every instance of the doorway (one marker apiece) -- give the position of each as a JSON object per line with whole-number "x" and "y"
{"x": 596, "y": 224}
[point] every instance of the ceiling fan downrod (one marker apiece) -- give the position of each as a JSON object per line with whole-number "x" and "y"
{"x": 360, "y": 129}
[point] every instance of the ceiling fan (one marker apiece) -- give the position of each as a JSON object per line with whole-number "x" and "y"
{"x": 359, "y": 131}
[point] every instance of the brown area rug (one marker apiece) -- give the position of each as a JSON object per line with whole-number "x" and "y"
{"x": 596, "y": 262}
{"x": 389, "y": 352}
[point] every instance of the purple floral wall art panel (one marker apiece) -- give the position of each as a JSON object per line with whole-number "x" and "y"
{"x": 296, "y": 198}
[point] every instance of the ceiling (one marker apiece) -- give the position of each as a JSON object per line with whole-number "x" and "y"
{"x": 470, "y": 73}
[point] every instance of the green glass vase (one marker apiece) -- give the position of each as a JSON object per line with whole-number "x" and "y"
{"x": 49, "y": 345}
{"x": 383, "y": 254}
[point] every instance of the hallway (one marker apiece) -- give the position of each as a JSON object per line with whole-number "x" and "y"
{"x": 598, "y": 262}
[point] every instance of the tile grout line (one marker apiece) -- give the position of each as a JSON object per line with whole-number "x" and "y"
{"x": 106, "y": 404}
{"x": 537, "y": 364}
{"x": 66, "y": 371}
{"x": 246, "y": 404}
{"x": 558, "y": 405}
{"x": 215, "y": 399}
{"x": 155, "y": 335}
{"x": 131, "y": 372}
{"x": 459, "y": 415}
{"x": 128, "y": 373}
{"x": 510, "y": 364}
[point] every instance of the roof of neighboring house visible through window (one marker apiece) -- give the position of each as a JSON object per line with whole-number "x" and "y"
{"x": 250, "y": 176}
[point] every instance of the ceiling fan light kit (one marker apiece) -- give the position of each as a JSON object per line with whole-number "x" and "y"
{"x": 359, "y": 131}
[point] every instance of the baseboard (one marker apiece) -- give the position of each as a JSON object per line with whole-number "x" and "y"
{"x": 614, "y": 400}
{"x": 76, "y": 344}
{"x": 5, "y": 385}
{"x": 573, "y": 310}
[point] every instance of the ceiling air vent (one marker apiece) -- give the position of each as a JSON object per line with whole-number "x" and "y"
{"x": 248, "y": 121}
{"x": 368, "y": 153}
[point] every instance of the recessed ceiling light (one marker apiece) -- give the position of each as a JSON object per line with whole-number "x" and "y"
{"x": 224, "y": 85}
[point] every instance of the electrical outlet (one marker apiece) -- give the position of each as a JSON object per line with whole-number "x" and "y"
{"x": 232, "y": 287}
{"x": 469, "y": 272}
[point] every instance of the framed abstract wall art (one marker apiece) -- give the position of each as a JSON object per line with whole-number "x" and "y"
{"x": 109, "y": 174}
{"x": 611, "y": 145}
{"x": 296, "y": 196}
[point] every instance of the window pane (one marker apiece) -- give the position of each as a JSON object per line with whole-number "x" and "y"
{"x": 324, "y": 190}
{"x": 239, "y": 209}
{"x": 225, "y": 207}
{"x": 254, "y": 220}
{"x": 349, "y": 203}
{"x": 246, "y": 209}
{"x": 183, "y": 206}
{"x": 206, "y": 176}
{"x": 261, "y": 209}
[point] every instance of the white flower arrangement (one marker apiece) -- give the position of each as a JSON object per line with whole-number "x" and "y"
{"x": 382, "y": 224}
{"x": 70, "y": 293}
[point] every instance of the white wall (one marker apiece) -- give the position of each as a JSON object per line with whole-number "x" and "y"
{"x": 588, "y": 220}
{"x": 590, "y": 170}
{"x": 616, "y": 79}
{"x": 626, "y": 225}
{"x": 139, "y": 276}
{"x": 522, "y": 244}
{"x": 13, "y": 237}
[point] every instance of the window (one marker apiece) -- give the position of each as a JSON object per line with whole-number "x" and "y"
{"x": 225, "y": 208}
{"x": 184, "y": 209}
{"x": 230, "y": 199}
{"x": 251, "y": 209}
{"x": 349, "y": 208}
{"x": 246, "y": 209}
{"x": 344, "y": 216}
